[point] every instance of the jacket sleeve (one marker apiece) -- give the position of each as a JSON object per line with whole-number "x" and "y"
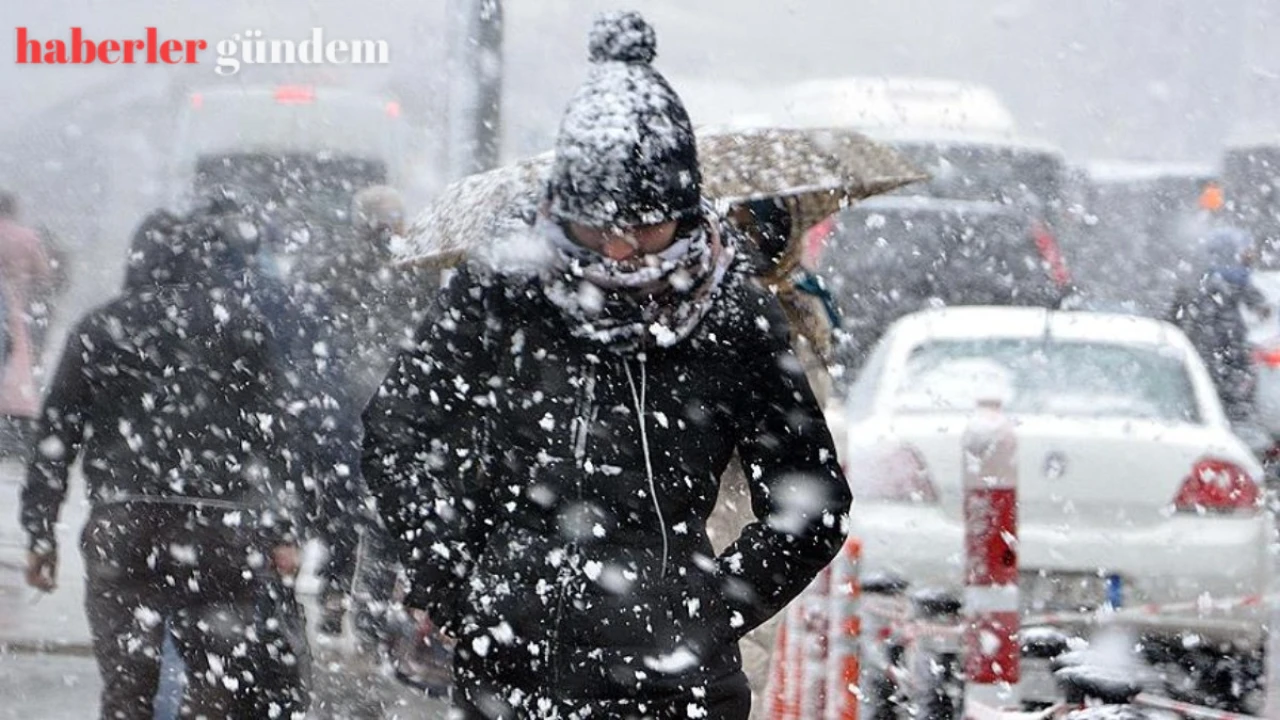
{"x": 58, "y": 440}
{"x": 799, "y": 495}
{"x": 424, "y": 449}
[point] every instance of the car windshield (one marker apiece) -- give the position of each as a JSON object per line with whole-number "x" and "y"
{"x": 319, "y": 180}
{"x": 1049, "y": 377}
{"x": 987, "y": 173}
{"x": 884, "y": 261}
{"x": 300, "y": 120}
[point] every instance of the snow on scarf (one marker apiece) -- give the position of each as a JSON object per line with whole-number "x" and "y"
{"x": 628, "y": 306}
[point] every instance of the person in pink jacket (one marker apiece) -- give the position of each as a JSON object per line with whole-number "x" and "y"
{"x": 24, "y": 270}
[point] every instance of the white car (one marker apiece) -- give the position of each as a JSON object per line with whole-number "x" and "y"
{"x": 1132, "y": 488}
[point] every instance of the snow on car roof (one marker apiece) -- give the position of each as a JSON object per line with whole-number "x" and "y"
{"x": 887, "y": 102}
{"x": 895, "y": 203}
{"x": 943, "y": 138}
{"x": 1253, "y": 139}
{"x": 917, "y": 110}
{"x": 1014, "y": 322}
{"x": 1109, "y": 171}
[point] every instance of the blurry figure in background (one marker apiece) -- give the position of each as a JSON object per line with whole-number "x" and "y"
{"x": 373, "y": 310}
{"x": 777, "y": 247}
{"x": 382, "y": 304}
{"x": 26, "y": 271}
{"x": 778, "y": 242}
{"x": 1209, "y": 309}
{"x": 44, "y": 305}
{"x": 168, "y": 395}
{"x": 1212, "y": 198}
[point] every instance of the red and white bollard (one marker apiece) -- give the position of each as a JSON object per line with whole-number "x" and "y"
{"x": 844, "y": 642}
{"x": 786, "y": 666}
{"x": 814, "y": 674}
{"x": 797, "y": 679}
{"x": 776, "y": 690}
{"x": 991, "y": 559}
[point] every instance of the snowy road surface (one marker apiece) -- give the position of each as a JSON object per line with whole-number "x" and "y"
{"x": 50, "y": 687}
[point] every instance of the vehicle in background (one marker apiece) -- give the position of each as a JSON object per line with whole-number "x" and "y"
{"x": 1133, "y": 489}
{"x": 865, "y": 103}
{"x": 298, "y": 152}
{"x": 1026, "y": 175}
{"x": 961, "y": 133}
{"x": 990, "y": 190}
{"x": 886, "y": 103}
{"x": 891, "y": 256}
{"x": 1143, "y": 222}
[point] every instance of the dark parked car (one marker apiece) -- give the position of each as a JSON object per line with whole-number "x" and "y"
{"x": 891, "y": 256}
{"x": 299, "y": 153}
{"x": 963, "y": 166}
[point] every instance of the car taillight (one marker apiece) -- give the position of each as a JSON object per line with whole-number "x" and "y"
{"x": 1269, "y": 357}
{"x": 1051, "y": 254}
{"x": 899, "y": 475}
{"x": 815, "y": 239}
{"x": 295, "y": 94}
{"x": 393, "y": 109}
{"x": 1217, "y": 486}
{"x": 197, "y": 100}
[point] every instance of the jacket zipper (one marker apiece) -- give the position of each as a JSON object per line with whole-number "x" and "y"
{"x": 584, "y": 417}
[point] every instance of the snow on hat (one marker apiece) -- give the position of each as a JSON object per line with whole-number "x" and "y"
{"x": 626, "y": 154}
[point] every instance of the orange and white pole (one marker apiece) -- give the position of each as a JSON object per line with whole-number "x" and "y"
{"x": 844, "y": 661}
{"x": 991, "y": 559}
{"x": 813, "y": 693}
{"x": 778, "y": 691}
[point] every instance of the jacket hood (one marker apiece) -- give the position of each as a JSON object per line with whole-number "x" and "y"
{"x": 153, "y": 253}
{"x": 200, "y": 249}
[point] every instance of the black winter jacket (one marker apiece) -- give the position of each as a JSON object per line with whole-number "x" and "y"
{"x": 168, "y": 394}
{"x": 1209, "y": 313}
{"x": 551, "y": 496}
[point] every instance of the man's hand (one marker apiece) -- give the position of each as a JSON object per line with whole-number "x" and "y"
{"x": 42, "y": 571}
{"x": 286, "y": 559}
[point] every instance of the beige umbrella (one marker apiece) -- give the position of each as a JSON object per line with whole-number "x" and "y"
{"x": 474, "y": 211}
{"x": 815, "y": 172}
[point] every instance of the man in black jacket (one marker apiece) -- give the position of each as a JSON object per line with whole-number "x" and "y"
{"x": 167, "y": 394}
{"x": 1209, "y": 311}
{"x": 548, "y": 454}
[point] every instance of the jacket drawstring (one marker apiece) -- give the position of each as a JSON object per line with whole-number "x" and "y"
{"x": 639, "y": 400}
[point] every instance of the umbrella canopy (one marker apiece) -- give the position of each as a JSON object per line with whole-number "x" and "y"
{"x": 814, "y": 172}
{"x": 472, "y": 212}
